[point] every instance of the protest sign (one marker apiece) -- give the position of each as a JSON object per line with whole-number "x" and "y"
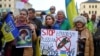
{"x": 20, "y": 5}
{"x": 24, "y": 39}
{"x": 58, "y": 42}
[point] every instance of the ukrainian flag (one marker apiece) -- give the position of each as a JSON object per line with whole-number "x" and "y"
{"x": 63, "y": 53}
{"x": 71, "y": 10}
{"x": 9, "y": 29}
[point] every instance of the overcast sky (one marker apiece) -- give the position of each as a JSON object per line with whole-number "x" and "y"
{"x": 45, "y": 4}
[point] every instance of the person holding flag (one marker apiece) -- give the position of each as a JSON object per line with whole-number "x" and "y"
{"x": 10, "y": 32}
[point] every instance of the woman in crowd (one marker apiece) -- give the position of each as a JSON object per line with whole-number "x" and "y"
{"x": 22, "y": 21}
{"x": 49, "y": 22}
{"x": 62, "y": 22}
{"x": 85, "y": 39}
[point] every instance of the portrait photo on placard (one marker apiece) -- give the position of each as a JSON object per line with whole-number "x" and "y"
{"x": 24, "y": 38}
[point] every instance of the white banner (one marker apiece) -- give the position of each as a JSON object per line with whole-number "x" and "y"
{"x": 20, "y": 5}
{"x": 58, "y": 42}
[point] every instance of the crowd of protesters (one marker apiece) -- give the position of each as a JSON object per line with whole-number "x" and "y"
{"x": 88, "y": 31}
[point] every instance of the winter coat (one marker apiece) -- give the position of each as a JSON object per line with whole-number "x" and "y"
{"x": 64, "y": 25}
{"x": 90, "y": 26}
{"x": 89, "y": 46}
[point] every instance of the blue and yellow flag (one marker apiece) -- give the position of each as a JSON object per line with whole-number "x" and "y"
{"x": 71, "y": 10}
{"x": 9, "y": 29}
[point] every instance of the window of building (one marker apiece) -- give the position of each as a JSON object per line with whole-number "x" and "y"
{"x": 89, "y": 6}
{"x": 9, "y": 5}
{"x": 9, "y": 0}
{"x": 5, "y": 0}
{"x": 4, "y": 5}
{"x": 0, "y": 0}
{"x": 95, "y": 6}
{"x": 92, "y": 6}
{"x": 95, "y": 12}
{"x": 0, "y": 5}
{"x": 83, "y": 11}
{"x": 83, "y": 6}
{"x": 89, "y": 12}
{"x": 92, "y": 12}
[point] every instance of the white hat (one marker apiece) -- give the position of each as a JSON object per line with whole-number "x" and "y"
{"x": 80, "y": 19}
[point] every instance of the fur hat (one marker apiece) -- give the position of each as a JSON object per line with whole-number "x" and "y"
{"x": 80, "y": 19}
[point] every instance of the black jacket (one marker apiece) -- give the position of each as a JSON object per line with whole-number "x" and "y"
{"x": 38, "y": 23}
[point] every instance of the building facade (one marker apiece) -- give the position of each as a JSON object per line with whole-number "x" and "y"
{"x": 25, "y": 6}
{"x": 10, "y": 5}
{"x": 90, "y": 7}
{"x": 28, "y": 5}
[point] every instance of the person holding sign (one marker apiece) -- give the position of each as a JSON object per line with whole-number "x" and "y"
{"x": 85, "y": 41}
{"x": 49, "y": 24}
{"x": 23, "y": 21}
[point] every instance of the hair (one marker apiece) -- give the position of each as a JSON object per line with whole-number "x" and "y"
{"x": 43, "y": 13}
{"x": 31, "y": 9}
{"x": 23, "y": 31}
{"x": 53, "y": 7}
{"x": 86, "y": 15}
{"x": 93, "y": 17}
{"x": 51, "y": 17}
{"x": 24, "y": 10}
{"x": 62, "y": 12}
{"x": 11, "y": 12}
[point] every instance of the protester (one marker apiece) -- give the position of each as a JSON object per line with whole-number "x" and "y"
{"x": 85, "y": 39}
{"x": 1, "y": 36}
{"x": 95, "y": 22}
{"x": 97, "y": 38}
{"x": 23, "y": 21}
{"x": 89, "y": 24}
{"x": 97, "y": 42}
{"x": 38, "y": 24}
{"x": 7, "y": 46}
{"x": 52, "y": 11}
{"x": 32, "y": 18}
{"x": 49, "y": 22}
{"x": 98, "y": 21}
{"x": 62, "y": 22}
{"x": 43, "y": 14}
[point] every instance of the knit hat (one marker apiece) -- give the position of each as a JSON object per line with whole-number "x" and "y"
{"x": 80, "y": 19}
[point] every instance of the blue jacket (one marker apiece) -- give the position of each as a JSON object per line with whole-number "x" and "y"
{"x": 50, "y": 27}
